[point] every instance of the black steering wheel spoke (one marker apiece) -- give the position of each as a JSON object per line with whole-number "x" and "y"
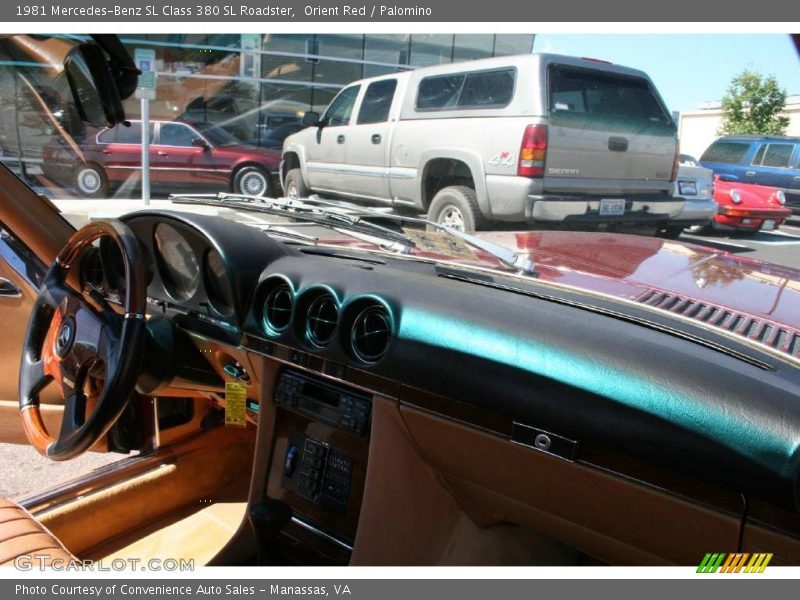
{"x": 74, "y": 415}
{"x": 54, "y": 291}
{"x": 32, "y": 378}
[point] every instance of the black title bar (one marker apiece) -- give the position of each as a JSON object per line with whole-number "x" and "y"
{"x": 406, "y": 11}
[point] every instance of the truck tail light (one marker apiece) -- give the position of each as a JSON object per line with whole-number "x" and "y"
{"x": 533, "y": 151}
{"x": 676, "y": 163}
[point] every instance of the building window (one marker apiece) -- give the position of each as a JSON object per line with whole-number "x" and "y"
{"x": 429, "y": 49}
{"x": 472, "y": 46}
{"x": 506, "y": 44}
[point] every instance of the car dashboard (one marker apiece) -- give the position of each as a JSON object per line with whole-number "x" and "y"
{"x": 385, "y": 390}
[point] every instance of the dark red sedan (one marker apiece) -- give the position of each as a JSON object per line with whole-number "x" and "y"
{"x": 185, "y": 156}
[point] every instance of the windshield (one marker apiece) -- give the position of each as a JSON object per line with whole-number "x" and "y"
{"x": 219, "y": 111}
{"x": 251, "y": 114}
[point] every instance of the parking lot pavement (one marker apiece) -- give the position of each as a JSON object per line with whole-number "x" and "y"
{"x": 781, "y": 247}
{"x": 25, "y": 471}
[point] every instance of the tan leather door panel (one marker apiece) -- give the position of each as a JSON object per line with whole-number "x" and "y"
{"x": 17, "y": 295}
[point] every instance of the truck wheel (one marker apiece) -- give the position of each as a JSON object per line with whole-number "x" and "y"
{"x": 700, "y": 229}
{"x": 670, "y": 233}
{"x": 91, "y": 181}
{"x": 294, "y": 186}
{"x": 456, "y": 207}
{"x": 251, "y": 181}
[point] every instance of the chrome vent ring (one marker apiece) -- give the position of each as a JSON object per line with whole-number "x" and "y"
{"x": 371, "y": 334}
{"x": 278, "y": 307}
{"x": 322, "y": 320}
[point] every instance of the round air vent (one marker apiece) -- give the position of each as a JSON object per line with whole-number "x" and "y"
{"x": 321, "y": 320}
{"x": 278, "y": 307}
{"x": 371, "y": 334}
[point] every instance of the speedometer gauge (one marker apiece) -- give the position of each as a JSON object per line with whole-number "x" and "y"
{"x": 216, "y": 278}
{"x": 177, "y": 262}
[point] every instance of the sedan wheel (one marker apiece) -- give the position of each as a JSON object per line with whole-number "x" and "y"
{"x": 90, "y": 181}
{"x": 251, "y": 181}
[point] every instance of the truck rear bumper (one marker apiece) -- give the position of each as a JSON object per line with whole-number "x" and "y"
{"x": 655, "y": 208}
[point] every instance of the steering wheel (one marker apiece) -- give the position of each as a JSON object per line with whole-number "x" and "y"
{"x": 68, "y": 337}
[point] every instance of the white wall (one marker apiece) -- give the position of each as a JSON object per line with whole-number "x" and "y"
{"x": 697, "y": 129}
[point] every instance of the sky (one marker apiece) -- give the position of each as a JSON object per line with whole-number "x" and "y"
{"x": 687, "y": 68}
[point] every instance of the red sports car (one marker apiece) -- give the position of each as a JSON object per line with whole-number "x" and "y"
{"x": 748, "y": 207}
{"x": 185, "y": 156}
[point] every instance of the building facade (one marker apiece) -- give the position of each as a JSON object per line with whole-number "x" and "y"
{"x": 253, "y": 84}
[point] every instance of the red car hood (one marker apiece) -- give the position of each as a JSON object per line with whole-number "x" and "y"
{"x": 632, "y": 267}
{"x": 629, "y": 266}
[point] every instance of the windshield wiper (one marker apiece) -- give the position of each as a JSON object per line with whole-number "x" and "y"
{"x": 297, "y": 210}
{"x": 287, "y": 233}
{"x": 330, "y": 213}
{"x": 505, "y": 255}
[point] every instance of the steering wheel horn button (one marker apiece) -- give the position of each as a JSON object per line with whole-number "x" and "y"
{"x": 65, "y": 337}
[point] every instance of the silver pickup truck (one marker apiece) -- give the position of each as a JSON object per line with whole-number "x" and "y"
{"x": 528, "y": 138}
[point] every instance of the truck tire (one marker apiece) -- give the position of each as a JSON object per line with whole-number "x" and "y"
{"x": 252, "y": 181}
{"x": 456, "y": 207}
{"x": 294, "y": 186}
{"x": 670, "y": 233}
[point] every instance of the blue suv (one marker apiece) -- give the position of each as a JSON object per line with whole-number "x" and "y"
{"x": 763, "y": 160}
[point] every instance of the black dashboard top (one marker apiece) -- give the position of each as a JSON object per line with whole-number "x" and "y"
{"x": 544, "y": 361}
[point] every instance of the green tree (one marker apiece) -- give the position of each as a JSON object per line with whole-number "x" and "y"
{"x": 752, "y": 105}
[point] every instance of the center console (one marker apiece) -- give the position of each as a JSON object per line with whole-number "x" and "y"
{"x": 319, "y": 461}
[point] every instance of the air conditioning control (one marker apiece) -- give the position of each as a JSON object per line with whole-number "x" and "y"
{"x": 322, "y": 474}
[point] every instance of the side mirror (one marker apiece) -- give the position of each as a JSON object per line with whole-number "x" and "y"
{"x": 311, "y": 119}
{"x": 200, "y": 143}
{"x": 728, "y": 177}
{"x": 93, "y": 86}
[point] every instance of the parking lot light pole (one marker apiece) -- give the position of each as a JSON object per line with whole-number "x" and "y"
{"x": 145, "y": 59}
{"x": 146, "y": 151}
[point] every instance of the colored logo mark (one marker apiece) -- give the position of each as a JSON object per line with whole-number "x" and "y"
{"x": 734, "y": 563}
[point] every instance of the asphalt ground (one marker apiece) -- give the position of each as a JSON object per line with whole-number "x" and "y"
{"x": 25, "y": 471}
{"x": 781, "y": 247}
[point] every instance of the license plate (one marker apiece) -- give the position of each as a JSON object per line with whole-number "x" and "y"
{"x": 768, "y": 225}
{"x": 612, "y": 207}
{"x": 687, "y": 188}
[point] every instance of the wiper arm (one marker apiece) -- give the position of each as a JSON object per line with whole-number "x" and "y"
{"x": 288, "y": 233}
{"x": 297, "y": 210}
{"x": 505, "y": 255}
{"x": 316, "y": 210}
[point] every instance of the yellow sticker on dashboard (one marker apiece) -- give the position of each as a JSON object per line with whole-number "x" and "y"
{"x": 235, "y": 404}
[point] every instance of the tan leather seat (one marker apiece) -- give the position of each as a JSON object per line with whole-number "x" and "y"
{"x": 21, "y": 535}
